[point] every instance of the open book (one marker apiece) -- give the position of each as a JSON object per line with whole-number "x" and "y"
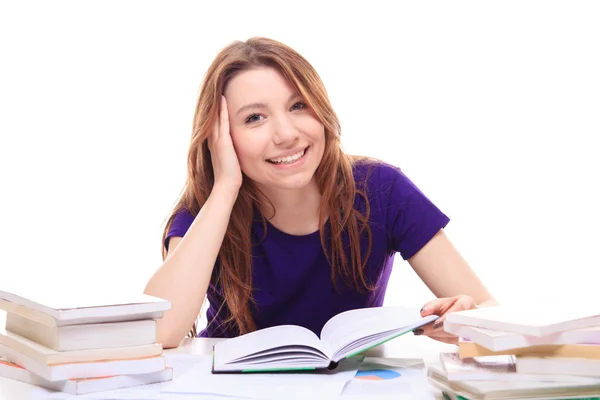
{"x": 290, "y": 347}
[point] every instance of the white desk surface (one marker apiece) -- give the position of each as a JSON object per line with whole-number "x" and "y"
{"x": 407, "y": 346}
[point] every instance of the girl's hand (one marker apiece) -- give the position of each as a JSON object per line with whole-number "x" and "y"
{"x": 441, "y": 307}
{"x": 225, "y": 163}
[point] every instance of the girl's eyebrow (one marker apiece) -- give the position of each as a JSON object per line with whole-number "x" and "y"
{"x": 251, "y": 105}
{"x": 262, "y": 105}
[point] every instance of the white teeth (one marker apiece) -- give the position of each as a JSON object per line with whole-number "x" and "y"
{"x": 288, "y": 159}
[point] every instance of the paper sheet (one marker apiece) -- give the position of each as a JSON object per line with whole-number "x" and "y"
{"x": 199, "y": 380}
{"x": 134, "y": 395}
{"x": 371, "y": 377}
{"x": 390, "y": 378}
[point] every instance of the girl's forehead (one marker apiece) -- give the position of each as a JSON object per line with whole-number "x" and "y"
{"x": 263, "y": 81}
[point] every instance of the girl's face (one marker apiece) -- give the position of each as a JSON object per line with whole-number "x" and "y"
{"x": 278, "y": 140}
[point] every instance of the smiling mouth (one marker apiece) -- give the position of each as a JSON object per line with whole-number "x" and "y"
{"x": 289, "y": 159}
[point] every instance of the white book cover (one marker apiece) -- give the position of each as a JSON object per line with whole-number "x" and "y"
{"x": 76, "y": 303}
{"x": 500, "y": 340}
{"x": 527, "y": 321}
{"x": 83, "y": 386}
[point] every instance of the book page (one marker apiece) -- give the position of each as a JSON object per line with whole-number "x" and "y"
{"x": 262, "y": 340}
{"x": 353, "y": 325}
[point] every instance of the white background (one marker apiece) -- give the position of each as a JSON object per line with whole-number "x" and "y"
{"x": 492, "y": 108}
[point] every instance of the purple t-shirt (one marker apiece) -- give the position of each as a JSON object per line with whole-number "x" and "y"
{"x": 291, "y": 276}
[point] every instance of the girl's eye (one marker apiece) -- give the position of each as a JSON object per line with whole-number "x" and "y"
{"x": 299, "y": 106}
{"x": 253, "y": 118}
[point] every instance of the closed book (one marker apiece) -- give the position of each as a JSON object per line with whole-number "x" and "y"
{"x": 94, "y": 369}
{"x": 497, "y": 368}
{"x": 499, "y": 340}
{"x": 85, "y": 385}
{"x": 46, "y": 355}
{"x": 70, "y": 306}
{"x": 502, "y": 390}
{"x": 85, "y": 336}
{"x": 468, "y": 349}
{"x": 558, "y": 365}
{"x": 527, "y": 321}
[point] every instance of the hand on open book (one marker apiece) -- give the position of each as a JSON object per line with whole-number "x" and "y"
{"x": 442, "y": 307}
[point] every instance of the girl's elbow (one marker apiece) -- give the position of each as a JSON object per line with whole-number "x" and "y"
{"x": 168, "y": 342}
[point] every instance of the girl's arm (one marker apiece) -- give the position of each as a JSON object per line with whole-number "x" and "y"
{"x": 184, "y": 276}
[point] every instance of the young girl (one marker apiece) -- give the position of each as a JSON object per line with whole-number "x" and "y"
{"x": 276, "y": 225}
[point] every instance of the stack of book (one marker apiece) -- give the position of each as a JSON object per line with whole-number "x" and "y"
{"x": 82, "y": 344}
{"x": 507, "y": 352}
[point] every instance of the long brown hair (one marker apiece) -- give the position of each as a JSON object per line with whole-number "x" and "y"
{"x": 334, "y": 177}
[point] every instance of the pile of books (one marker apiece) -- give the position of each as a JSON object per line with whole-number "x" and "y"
{"x": 510, "y": 353}
{"x": 81, "y": 344}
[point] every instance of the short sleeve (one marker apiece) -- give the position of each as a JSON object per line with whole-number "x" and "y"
{"x": 181, "y": 223}
{"x": 412, "y": 218}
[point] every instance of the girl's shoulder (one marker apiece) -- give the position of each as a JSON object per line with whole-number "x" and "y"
{"x": 181, "y": 221}
{"x": 374, "y": 174}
